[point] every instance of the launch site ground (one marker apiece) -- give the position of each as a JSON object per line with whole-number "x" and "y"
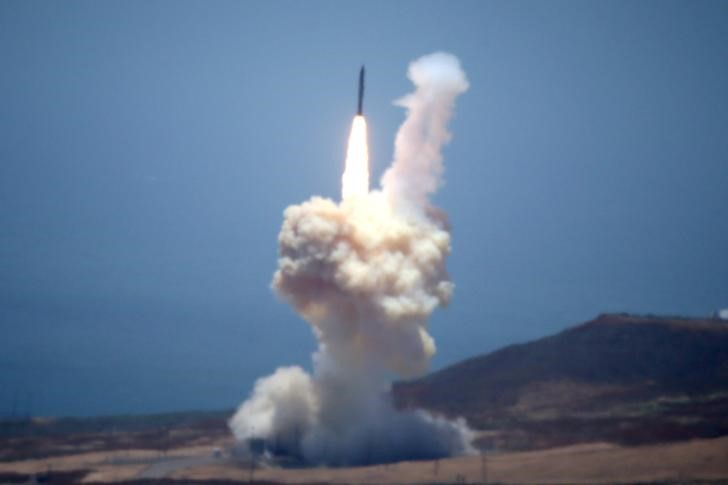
{"x": 210, "y": 461}
{"x": 643, "y": 402}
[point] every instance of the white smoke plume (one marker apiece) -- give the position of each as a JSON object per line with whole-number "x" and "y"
{"x": 366, "y": 273}
{"x": 417, "y": 168}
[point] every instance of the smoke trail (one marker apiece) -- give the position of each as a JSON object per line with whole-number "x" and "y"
{"x": 417, "y": 168}
{"x": 366, "y": 273}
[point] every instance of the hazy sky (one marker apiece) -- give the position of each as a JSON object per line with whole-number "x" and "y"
{"x": 148, "y": 149}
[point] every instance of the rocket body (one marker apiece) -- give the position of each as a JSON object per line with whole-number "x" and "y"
{"x": 361, "y": 92}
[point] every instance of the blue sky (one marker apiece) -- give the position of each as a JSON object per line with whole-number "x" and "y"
{"x": 148, "y": 149}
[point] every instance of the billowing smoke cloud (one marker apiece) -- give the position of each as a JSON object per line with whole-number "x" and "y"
{"x": 366, "y": 273}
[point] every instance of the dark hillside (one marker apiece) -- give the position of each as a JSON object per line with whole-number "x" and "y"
{"x": 619, "y": 378}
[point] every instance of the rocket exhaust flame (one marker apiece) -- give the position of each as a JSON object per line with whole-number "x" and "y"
{"x": 355, "y": 181}
{"x": 366, "y": 274}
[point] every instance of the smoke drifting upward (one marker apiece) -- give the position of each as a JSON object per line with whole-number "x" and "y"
{"x": 417, "y": 168}
{"x": 366, "y": 273}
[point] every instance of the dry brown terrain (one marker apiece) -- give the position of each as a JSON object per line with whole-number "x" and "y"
{"x": 705, "y": 459}
{"x": 621, "y": 399}
{"x": 590, "y": 463}
{"x": 624, "y": 379}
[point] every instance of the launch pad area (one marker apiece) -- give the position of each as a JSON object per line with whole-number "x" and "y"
{"x": 205, "y": 453}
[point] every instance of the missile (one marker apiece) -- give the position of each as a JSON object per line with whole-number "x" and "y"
{"x": 361, "y": 91}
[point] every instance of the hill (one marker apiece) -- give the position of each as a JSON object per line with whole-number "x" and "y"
{"x": 623, "y": 379}
{"x": 619, "y": 378}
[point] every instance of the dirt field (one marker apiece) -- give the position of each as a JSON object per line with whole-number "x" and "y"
{"x": 590, "y": 463}
{"x": 594, "y": 463}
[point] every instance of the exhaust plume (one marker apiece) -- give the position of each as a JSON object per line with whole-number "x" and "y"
{"x": 355, "y": 181}
{"x": 366, "y": 273}
{"x": 417, "y": 168}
